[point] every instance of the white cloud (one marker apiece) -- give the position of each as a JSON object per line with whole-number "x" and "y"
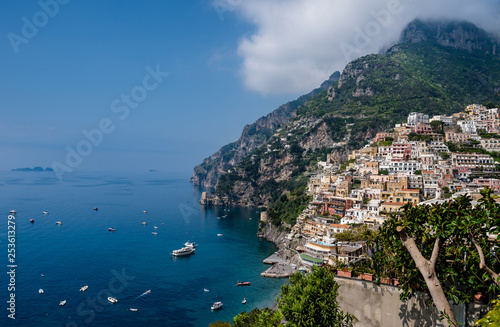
{"x": 297, "y": 44}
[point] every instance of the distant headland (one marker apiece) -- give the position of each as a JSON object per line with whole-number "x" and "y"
{"x": 33, "y": 169}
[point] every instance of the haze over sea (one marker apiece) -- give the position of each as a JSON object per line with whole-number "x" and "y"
{"x": 82, "y": 251}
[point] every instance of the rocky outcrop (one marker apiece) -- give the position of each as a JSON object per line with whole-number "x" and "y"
{"x": 458, "y": 35}
{"x": 253, "y": 136}
{"x": 277, "y": 235}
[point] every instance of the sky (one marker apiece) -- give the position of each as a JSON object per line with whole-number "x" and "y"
{"x": 136, "y": 85}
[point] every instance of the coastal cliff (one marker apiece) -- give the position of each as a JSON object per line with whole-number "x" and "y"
{"x": 372, "y": 94}
{"x": 252, "y": 137}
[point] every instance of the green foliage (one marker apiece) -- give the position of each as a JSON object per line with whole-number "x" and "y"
{"x": 288, "y": 206}
{"x": 258, "y": 318}
{"x": 383, "y": 172}
{"x": 219, "y": 323}
{"x": 361, "y": 233}
{"x": 418, "y": 172}
{"x": 458, "y": 225}
{"x": 419, "y": 137}
{"x": 310, "y": 300}
{"x": 492, "y": 318}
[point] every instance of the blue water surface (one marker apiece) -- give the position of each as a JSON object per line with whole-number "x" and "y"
{"x": 131, "y": 260}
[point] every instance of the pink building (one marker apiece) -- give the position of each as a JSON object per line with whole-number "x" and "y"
{"x": 492, "y": 183}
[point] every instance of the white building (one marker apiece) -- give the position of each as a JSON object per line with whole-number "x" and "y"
{"x": 468, "y": 126}
{"x": 447, "y": 120}
{"x": 417, "y": 117}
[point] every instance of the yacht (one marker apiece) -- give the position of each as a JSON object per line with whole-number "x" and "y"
{"x": 190, "y": 244}
{"x": 112, "y": 299}
{"x": 40, "y": 291}
{"x": 216, "y": 305}
{"x": 184, "y": 251}
{"x": 84, "y": 288}
{"x": 62, "y": 303}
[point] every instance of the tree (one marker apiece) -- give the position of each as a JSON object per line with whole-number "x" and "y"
{"x": 492, "y": 318}
{"x": 258, "y": 318}
{"x": 310, "y": 300}
{"x": 444, "y": 249}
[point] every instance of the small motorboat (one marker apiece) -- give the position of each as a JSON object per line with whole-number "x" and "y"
{"x": 112, "y": 299}
{"x": 147, "y": 292}
{"x": 154, "y": 233}
{"x": 133, "y": 309}
{"x": 96, "y": 208}
{"x": 190, "y": 244}
{"x": 219, "y": 234}
{"x": 59, "y": 222}
{"x": 40, "y": 291}
{"x": 155, "y": 227}
{"x": 144, "y": 211}
{"x": 112, "y": 229}
{"x": 244, "y": 301}
{"x": 144, "y": 223}
{"x": 42, "y": 275}
{"x": 13, "y": 212}
{"x": 32, "y": 220}
{"x": 216, "y": 305}
{"x": 243, "y": 283}
{"x": 45, "y": 212}
{"x": 84, "y": 288}
{"x": 205, "y": 290}
{"x": 184, "y": 251}
{"x": 62, "y": 303}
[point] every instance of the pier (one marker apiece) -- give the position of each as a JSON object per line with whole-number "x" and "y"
{"x": 279, "y": 269}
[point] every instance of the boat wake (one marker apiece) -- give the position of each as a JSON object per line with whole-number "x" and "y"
{"x": 143, "y": 294}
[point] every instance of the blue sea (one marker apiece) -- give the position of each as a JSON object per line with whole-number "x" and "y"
{"x": 62, "y": 258}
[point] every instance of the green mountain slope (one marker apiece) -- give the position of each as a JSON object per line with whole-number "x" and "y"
{"x": 372, "y": 93}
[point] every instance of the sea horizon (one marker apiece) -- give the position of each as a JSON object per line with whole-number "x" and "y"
{"x": 62, "y": 258}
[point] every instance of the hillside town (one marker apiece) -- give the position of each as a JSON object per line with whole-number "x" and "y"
{"x": 422, "y": 161}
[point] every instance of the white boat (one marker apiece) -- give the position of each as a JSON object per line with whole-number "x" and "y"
{"x": 84, "y": 288}
{"x": 184, "y": 251}
{"x": 154, "y": 233}
{"x": 244, "y": 301}
{"x": 144, "y": 223}
{"x": 59, "y": 222}
{"x": 190, "y": 244}
{"x": 216, "y": 305}
{"x": 206, "y": 290}
{"x": 62, "y": 302}
{"x": 155, "y": 227}
{"x": 219, "y": 234}
{"x": 133, "y": 309}
{"x": 112, "y": 229}
{"x": 45, "y": 212}
{"x": 112, "y": 299}
{"x": 13, "y": 211}
{"x": 40, "y": 291}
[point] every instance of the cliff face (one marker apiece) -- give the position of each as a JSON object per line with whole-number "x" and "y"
{"x": 372, "y": 93}
{"x": 457, "y": 35}
{"x": 253, "y": 136}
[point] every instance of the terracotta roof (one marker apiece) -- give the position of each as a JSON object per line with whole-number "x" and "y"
{"x": 339, "y": 225}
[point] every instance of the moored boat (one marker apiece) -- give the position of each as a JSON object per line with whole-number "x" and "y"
{"x": 59, "y": 222}
{"x": 63, "y": 302}
{"x": 184, "y": 251}
{"x": 40, "y": 291}
{"x": 112, "y": 299}
{"x": 244, "y": 301}
{"x": 133, "y": 309}
{"x": 32, "y": 220}
{"x": 243, "y": 283}
{"x": 216, "y": 305}
{"x": 45, "y": 212}
{"x": 13, "y": 211}
{"x": 112, "y": 229}
{"x": 84, "y": 288}
{"x": 190, "y": 244}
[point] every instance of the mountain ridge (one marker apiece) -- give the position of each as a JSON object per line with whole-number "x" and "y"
{"x": 372, "y": 93}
